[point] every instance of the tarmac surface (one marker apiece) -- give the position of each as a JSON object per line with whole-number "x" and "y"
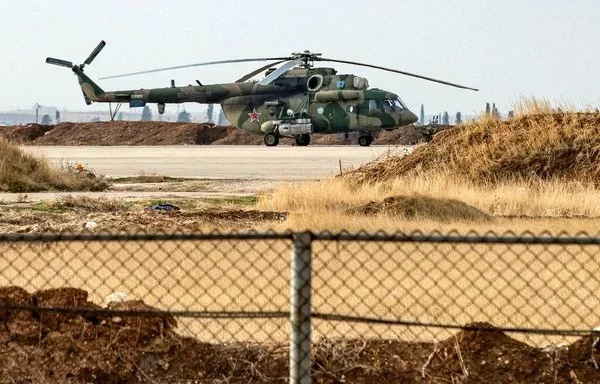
{"x": 222, "y": 171}
{"x": 216, "y": 162}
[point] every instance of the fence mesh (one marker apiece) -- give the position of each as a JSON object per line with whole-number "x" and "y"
{"x": 431, "y": 288}
{"x": 235, "y": 287}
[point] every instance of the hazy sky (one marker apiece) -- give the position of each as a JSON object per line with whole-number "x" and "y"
{"x": 508, "y": 48}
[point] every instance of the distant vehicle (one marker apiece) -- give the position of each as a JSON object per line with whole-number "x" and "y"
{"x": 294, "y": 100}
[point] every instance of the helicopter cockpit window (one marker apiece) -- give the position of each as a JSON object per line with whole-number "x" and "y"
{"x": 388, "y": 106}
{"x": 398, "y": 103}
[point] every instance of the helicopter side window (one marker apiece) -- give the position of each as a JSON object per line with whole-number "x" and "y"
{"x": 374, "y": 107}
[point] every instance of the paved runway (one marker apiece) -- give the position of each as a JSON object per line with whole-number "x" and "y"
{"x": 216, "y": 162}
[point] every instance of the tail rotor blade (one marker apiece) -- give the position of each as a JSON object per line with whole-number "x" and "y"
{"x": 94, "y": 53}
{"x": 59, "y": 62}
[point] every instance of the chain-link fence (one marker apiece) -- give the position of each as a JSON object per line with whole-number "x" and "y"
{"x": 279, "y": 289}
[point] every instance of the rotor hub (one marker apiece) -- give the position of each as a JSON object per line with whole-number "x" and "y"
{"x": 307, "y": 57}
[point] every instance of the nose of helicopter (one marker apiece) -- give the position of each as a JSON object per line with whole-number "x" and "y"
{"x": 407, "y": 117}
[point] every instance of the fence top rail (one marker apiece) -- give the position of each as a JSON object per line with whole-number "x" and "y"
{"x": 562, "y": 238}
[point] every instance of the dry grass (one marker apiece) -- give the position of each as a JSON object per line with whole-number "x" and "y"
{"x": 542, "y": 164}
{"x": 539, "y": 143}
{"x": 539, "y": 200}
{"x": 21, "y": 172}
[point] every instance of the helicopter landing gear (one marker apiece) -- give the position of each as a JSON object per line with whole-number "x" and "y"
{"x": 271, "y": 139}
{"x": 365, "y": 140}
{"x": 303, "y": 140}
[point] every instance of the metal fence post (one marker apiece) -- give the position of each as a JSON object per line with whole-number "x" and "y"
{"x": 300, "y": 311}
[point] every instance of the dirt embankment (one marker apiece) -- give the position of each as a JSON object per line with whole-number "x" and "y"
{"x": 540, "y": 146}
{"x": 44, "y": 347}
{"x": 167, "y": 133}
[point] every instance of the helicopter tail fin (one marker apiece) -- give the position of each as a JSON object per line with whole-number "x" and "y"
{"x": 91, "y": 91}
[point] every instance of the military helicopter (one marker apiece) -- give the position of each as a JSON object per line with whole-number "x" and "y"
{"x": 294, "y": 100}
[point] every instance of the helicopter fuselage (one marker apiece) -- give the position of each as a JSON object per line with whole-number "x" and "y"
{"x": 329, "y": 102}
{"x": 295, "y": 100}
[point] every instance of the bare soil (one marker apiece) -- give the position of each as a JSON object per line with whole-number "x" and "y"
{"x": 42, "y": 347}
{"x": 167, "y": 133}
{"x": 76, "y": 214}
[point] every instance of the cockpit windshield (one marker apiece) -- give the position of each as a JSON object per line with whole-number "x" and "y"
{"x": 398, "y": 103}
{"x": 390, "y": 105}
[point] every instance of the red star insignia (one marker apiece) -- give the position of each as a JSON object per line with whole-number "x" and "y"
{"x": 254, "y": 115}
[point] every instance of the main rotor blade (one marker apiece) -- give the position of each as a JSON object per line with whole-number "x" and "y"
{"x": 194, "y": 65}
{"x": 279, "y": 71}
{"x": 95, "y": 52}
{"x": 257, "y": 71}
{"x": 397, "y": 71}
{"x": 62, "y": 63}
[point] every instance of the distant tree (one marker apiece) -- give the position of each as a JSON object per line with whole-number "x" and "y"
{"x": 487, "y": 109}
{"x": 184, "y": 117}
{"x": 57, "y": 116}
{"x": 120, "y": 116}
{"x": 209, "y": 112}
{"x": 495, "y": 112}
{"x": 422, "y": 117}
{"x": 95, "y": 119}
{"x": 46, "y": 120}
{"x": 511, "y": 114}
{"x": 458, "y": 118}
{"x": 445, "y": 118}
{"x": 146, "y": 114}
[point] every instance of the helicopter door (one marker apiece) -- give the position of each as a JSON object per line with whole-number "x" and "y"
{"x": 369, "y": 114}
{"x": 352, "y": 113}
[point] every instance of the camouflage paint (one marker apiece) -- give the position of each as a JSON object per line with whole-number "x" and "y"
{"x": 248, "y": 105}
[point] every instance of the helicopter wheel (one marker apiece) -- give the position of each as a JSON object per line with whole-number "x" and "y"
{"x": 303, "y": 140}
{"x": 364, "y": 140}
{"x": 271, "y": 139}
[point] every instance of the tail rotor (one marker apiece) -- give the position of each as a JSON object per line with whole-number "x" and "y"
{"x": 69, "y": 64}
{"x": 91, "y": 91}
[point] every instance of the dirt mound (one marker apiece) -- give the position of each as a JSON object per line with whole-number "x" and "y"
{"x": 422, "y": 207}
{"x": 541, "y": 146}
{"x": 37, "y": 346}
{"x": 131, "y": 133}
{"x": 168, "y": 133}
{"x": 21, "y": 172}
{"x": 23, "y": 134}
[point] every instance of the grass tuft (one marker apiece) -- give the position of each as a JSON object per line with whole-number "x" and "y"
{"x": 21, "y": 173}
